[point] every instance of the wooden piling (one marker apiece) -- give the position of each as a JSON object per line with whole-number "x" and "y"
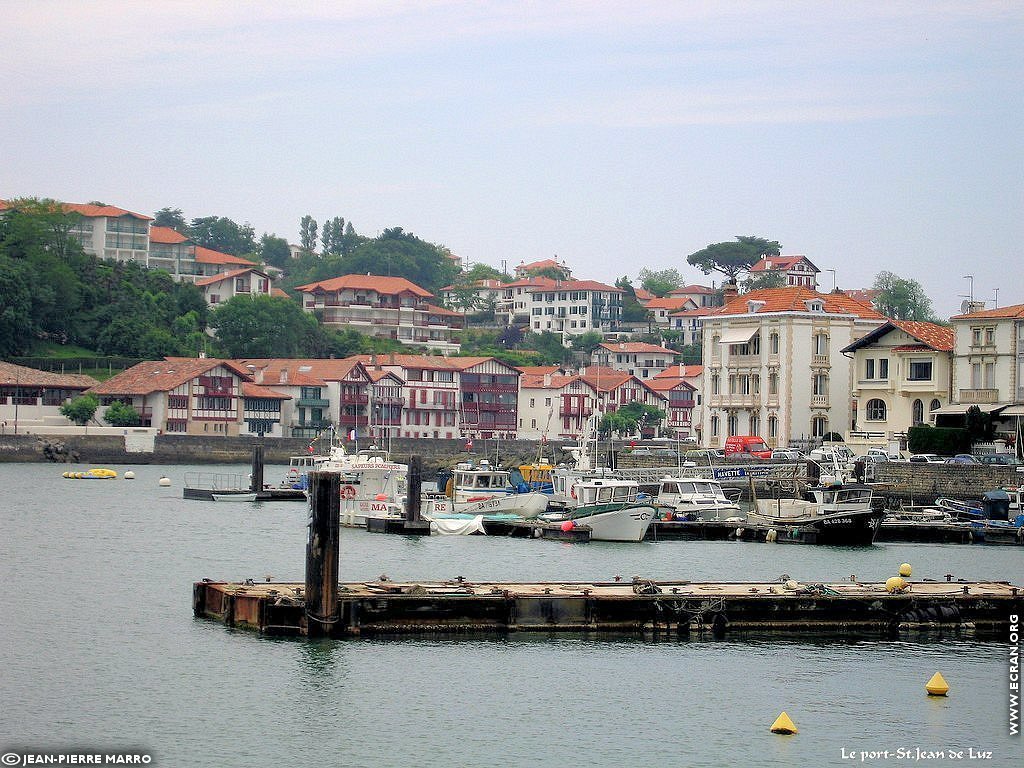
{"x": 256, "y": 478}
{"x": 413, "y": 489}
{"x": 322, "y": 553}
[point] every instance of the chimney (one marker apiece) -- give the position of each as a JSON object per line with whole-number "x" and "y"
{"x": 284, "y": 376}
{"x": 547, "y": 379}
{"x": 729, "y": 291}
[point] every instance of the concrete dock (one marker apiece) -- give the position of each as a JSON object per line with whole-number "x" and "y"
{"x": 639, "y": 606}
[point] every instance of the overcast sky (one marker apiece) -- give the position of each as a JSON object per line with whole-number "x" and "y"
{"x": 866, "y": 136}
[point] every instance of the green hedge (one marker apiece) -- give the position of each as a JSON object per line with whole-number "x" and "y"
{"x": 945, "y": 441}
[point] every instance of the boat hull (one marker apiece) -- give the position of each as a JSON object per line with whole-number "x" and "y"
{"x": 615, "y": 522}
{"x": 845, "y": 529}
{"x": 526, "y": 505}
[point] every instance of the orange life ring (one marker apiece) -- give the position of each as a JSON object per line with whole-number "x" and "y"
{"x": 348, "y": 492}
{"x": 572, "y": 491}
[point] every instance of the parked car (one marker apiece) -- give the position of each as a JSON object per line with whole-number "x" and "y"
{"x": 703, "y": 455}
{"x": 963, "y": 458}
{"x": 832, "y": 454}
{"x": 788, "y": 454}
{"x": 927, "y": 458}
{"x": 884, "y": 454}
{"x": 998, "y": 459}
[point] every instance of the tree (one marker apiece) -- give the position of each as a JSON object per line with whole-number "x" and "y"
{"x": 17, "y": 323}
{"x": 627, "y": 420}
{"x": 772, "y": 278}
{"x": 511, "y": 337}
{"x": 587, "y": 342}
{"x": 224, "y": 235}
{"x": 170, "y": 217}
{"x": 262, "y": 326}
{"x": 120, "y": 414}
{"x": 397, "y": 253}
{"x": 632, "y": 310}
{"x": 732, "y": 259}
{"x": 555, "y": 273}
{"x": 481, "y": 272}
{"x": 901, "y": 299}
{"x": 81, "y": 409}
{"x": 660, "y": 282}
{"x": 307, "y": 233}
{"x": 979, "y": 425}
{"x": 332, "y": 237}
{"x": 274, "y": 250}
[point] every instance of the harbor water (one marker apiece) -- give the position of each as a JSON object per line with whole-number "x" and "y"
{"x": 100, "y": 651}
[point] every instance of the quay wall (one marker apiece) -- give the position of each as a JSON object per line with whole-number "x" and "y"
{"x": 200, "y": 449}
{"x": 922, "y": 483}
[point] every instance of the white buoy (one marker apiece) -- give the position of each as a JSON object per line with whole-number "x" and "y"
{"x": 165, "y": 481}
{"x": 129, "y": 475}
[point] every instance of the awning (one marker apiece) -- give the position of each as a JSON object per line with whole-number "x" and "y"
{"x": 738, "y": 335}
{"x": 1012, "y": 410}
{"x": 962, "y": 408}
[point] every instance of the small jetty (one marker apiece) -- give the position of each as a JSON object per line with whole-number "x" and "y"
{"x": 323, "y": 607}
{"x": 203, "y": 486}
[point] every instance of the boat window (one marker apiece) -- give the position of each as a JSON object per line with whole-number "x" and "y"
{"x": 705, "y": 488}
{"x": 604, "y": 495}
{"x": 670, "y": 487}
{"x": 620, "y": 493}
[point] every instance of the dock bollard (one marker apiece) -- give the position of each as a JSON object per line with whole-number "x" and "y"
{"x": 783, "y": 724}
{"x": 937, "y": 685}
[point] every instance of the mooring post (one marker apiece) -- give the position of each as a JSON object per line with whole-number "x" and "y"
{"x": 413, "y": 482}
{"x": 322, "y": 552}
{"x": 256, "y": 478}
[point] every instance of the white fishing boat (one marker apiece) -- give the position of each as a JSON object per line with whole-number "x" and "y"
{"x": 614, "y": 509}
{"x": 696, "y": 498}
{"x": 371, "y": 484}
{"x": 481, "y": 489}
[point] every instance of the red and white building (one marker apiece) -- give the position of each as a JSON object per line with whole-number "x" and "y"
{"x": 636, "y": 358}
{"x": 247, "y": 281}
{"x": 797, "y": 270}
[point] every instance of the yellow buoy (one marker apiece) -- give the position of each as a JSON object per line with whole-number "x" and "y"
{"x": 783, "y": 724}
{"x": 937, "y": 685}
{"x": 895, "y": 584}
{"x": 905, "y": 570}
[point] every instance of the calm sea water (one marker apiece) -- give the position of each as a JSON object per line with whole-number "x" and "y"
{"x": 99, "y": 650}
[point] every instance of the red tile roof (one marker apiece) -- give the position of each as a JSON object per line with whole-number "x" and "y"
{"x": 537, "y": 381}
{"x": 935, "y": 336}
{"x": 229, "y": 276}
{"x": 210, "y": 256}
{"x": 578, "y": 285}
{"x": 279, "y": 293}
{"x": 376, "y": 375}
{"x": 436, "y": 310}
{"x": 642, "y": 294}
{"x": 867, "y": 295}
{"x": 792, "y": 300}
{"x": 255, "y": 390}
{"x": 698, "y": 312}
{"x": 639, "y": 347}
{"x": 387, "y": 286}
{"x": 542, "y": 264}
{"x": 604, "y": 379}
{"x": 773, "y": 263}
{"x": 311, "y": 372}
{"x": 529, "y": 282}
{"x": 90, "y": 211}
{"x": 1015, "y": 310}
{"x": 20, "y": 375}
{"x": 426, "y": 362}
{"x": 693, "y": 289}
{"x": 666, "y": 384}
{"x": 669, "y": 302}
{"x": 166, "y": 235}
{"x": 156, "y": 376}
{"x": 538, "y": 370}
{"x": 680, "y": 371}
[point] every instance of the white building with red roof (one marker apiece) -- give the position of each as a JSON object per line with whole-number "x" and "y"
{"x": 700, "y": 295}
{"x": 573, "y": 307}
{"x": 902, "y": 374}
{"x": 661, "y": 309}
{"x": 531, "y": 269}
{"x": 391, "y": 307}
{"x": 797, "y": 270}
{"x": 774, "y": 365}
{"x": 247, "y": 281}
{"x": 636, "y": 358}
{"x": 988, "y": 367}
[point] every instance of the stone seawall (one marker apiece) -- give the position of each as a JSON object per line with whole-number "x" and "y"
{"x": 194, "y": 449}
{"x": 924, "y": 482}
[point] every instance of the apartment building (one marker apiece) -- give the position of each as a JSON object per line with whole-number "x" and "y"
{"x": 988, "y": 366}
{"x": 660, "y": 310}
{"x": 391, "y": 307}
{"x": 239, "y": 282}
{"x": 572, "y": 308}
{"x": 516, "y": 298}
{"x": 773, "y": 364}
{"x": 702, "y": 296}
{"x": 636, "y": 358}
{"x": 902, "y": 375}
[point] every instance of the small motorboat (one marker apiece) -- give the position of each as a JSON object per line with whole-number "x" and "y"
{"x": 239, "y": 496}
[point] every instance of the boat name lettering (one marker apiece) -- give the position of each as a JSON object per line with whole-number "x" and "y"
{"x": 837, "y": 521}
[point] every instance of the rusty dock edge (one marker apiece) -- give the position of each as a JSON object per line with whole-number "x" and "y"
{"x": 679, "y": 608}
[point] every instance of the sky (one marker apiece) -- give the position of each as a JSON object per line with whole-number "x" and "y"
{"x": 614, "y": 136}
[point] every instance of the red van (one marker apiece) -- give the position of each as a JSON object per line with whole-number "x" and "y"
{"x": 750, "y": 446}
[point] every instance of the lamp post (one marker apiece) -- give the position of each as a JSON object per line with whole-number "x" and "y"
{"x": 17, "y": 397}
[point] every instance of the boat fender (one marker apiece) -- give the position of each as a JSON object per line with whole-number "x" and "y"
{"x": 772, "y": 535}
{"x": 537, "y": 533}
{"x": 792, "y": 585}
{"x": 572, "y": 490}
{"x": 739, "y": 533}
{"x": 895, "y": 584}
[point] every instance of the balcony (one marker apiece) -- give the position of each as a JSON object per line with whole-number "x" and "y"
{"x": 748, "y": 361}
{"x": 979, "y": 395}
{"x": 820, "y": 361}
{"x": 312, "y": 402}
{"x": 819, "y": 401}
{"x": 735, "y": 401}
{"x": 576, "y": 411}
{"x": 352, "y": 399}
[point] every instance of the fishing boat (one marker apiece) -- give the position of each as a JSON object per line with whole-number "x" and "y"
{"x": 484, "y": 489}
{"x": 830, "y": 513}
{"x": 372, "y": 485}
{"x": 696, "y": 498}
{"x": 614, "y": 509}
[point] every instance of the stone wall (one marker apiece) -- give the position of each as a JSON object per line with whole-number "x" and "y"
{"x": 924, "y": 482}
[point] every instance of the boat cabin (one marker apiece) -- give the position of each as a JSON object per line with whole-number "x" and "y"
{"x": 592, "y": 492}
